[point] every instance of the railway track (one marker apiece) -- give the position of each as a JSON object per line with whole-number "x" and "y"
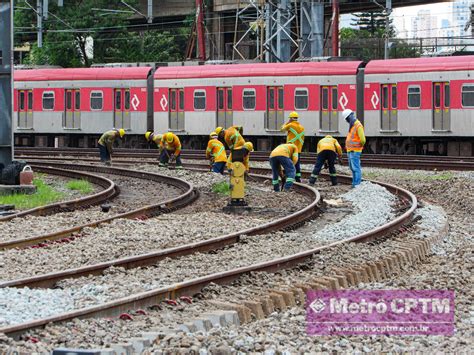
{"x": 195, "y": 285}
{"x": 422, "y": 162}
{"x": 188, "y": 196}
{"x": 109, "y": 191}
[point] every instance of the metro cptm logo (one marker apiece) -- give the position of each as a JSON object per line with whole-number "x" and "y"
{"x": 318, "y": 305}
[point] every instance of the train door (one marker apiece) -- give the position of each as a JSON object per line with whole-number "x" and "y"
{"x": 72, "y": 115}
{"x": 25, "y": 108}
{"x": 176, "y": 114}
{"x": 275, "y": 111}
{"x": 224, "y": 107}
{"x": 122, "y": 108}
{"x": 441, "y": 104}
{"x": 388, "y": 108}
{"x": 329, "y": 117}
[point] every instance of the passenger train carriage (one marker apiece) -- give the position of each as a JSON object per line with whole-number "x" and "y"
{"x": 422, "y": 105}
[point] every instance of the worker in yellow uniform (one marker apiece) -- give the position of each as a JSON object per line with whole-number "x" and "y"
{"x": 355, "y": 142}
{"x": 284, "y": 156}
{"x": 154, "y": 137}
{"x": 328, "y": 150}
{"x": 106, "y": 142}
{"x": 215, "y": 152}
{"x": 232, "y": 136}
{"x": 296, "y": 136}
{"x": 248, "y": 148}
{"x": 170, "y": 150}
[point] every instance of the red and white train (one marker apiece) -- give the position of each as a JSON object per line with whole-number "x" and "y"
{"x": 408, "y": 106}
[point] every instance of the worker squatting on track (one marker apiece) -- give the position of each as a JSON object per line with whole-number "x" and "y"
{"x": 106, "y": 142}
{"x": 296, "y": 136}
{"x": 328, "y": 150}
{"x": 355, "y": 142}
{"x": 284, "y": 156}
{"x": 216, "y": 153}
{"x": 170, "y": 146}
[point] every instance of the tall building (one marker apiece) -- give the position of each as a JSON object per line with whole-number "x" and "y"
{"x": 424, "y": 25}
{"x": 461, "y": 15}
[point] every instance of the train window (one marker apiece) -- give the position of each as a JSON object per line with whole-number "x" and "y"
{"x": 229, "y": 99}
{"x": 199, "y": 100}
{"x": 127, "y": 100}
{"x": 334, "y": 98}
{"x": 325, "y": 99}
{"x": 414, "y": 97}
{"x": 437, "y": 96}
{"x": 181, "y": 100}
{"x": 447, "y": 96}
{"x": 118, "y": 100}
{"x": 271, "y": 98}
{"x": 68, "y": 100}
{"x": 30, "y": 100}
{"x": 280, "y": 98}
{"x": 48, "y": 100}
{"x": 468, "y": 96}
{"x": 220, "y": 99}
{"x": 96, "y": 100}
{"x": 77, "y": 100}
{"x": 173, "y": 100}
{"x": 249, "y": 99}
{"x": 385, "y": 97}
{"x": 394, "y": 97}
{"x": 22, "y": 100}
{"x": 301, "y": 99}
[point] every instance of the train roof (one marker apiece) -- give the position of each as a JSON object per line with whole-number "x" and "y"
{"x": 258, "y": 69}
{"x": 127, "y": 73}
{"x": 417, "y": 65}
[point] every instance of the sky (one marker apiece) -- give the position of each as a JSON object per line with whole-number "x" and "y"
{"x": 441, "y": 10}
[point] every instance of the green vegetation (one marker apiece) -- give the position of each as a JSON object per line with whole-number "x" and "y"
{"x": 44, "y": 195}
{"x": 370, "y": 175}
{"x": 447, "y": 175}
{"x": 221, "y": 188}
{"x": 83, "y": 186}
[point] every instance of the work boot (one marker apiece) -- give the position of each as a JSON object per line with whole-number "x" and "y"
{"x": 276, "y": 188}
{"x": 333, "y": 180}
{"x": 312, "y": 180}
{"x": 162, "y": 164}
{"x": 108, "y": 163}
{"x": 298, "y": 178}
{"x": 179, "y": 167}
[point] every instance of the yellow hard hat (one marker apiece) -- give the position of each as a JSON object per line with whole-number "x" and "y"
{"x": 213, "y": 134}
{"x": 294, "y": 114}
{"x": 218, "y": 130}
{"x": 157, "y": 137}
{"x": 121, "y": 132}
{"x": 248, "y": 146}
{"x": 147, "y": 135}
{"x": 169, "y": 137}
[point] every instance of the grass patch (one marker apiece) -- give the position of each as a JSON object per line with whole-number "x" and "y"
{"x": 44, "y": 195}
{"x": 221, "y": 188}
{"x": 83, "y": 186}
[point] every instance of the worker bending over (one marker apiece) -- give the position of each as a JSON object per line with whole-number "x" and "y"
{"x": 215, "y": 152}
{"x": 296, "y": 136}
{"x": 355, "y": 142}
{"x": 106, "y": 142}
{"x": 328, "y": 150}
{"x": 170, "y": 150}
{"x": 232, "y": 136}
{"x": 248, "y": 148}
{"x": 286, "y": 156}
{"x": 154, "y": 137}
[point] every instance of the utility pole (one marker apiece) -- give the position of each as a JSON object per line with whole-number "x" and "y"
{"x": 39, "y": 18}
{"x": 388, "y": 10}
{"x": 200, "y": 30}
{"x": 6, "y": 82}
{"x": 335, "y": 28}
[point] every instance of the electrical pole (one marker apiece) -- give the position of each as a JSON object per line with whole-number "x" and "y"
{"x": 335, "y": 28}
{"x": 200, "y": 30}
{"x": 6, "y": 82}
{"x": 39, "y": 18}
{"x": 388, "y": 9}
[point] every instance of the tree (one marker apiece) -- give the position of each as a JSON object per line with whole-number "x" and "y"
{"x": 374, "y": 22}
{"x": 72, "y": 30}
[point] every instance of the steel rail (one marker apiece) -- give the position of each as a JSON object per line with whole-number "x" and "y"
{"x": 189, "y": 195}
{"x": 110, "y": 190}
{"x": 195, "y": 285}
{"x": 291, "y": 221}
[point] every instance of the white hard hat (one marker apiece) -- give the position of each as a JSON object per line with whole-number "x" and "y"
{"x": 346, "y": 113}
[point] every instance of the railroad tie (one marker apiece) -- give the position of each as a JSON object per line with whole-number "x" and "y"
{"x": 267, "y": 305}
{"x": 288, "y": 297}
{"x": 244, "y": 313}
{"x": 256, "y": 308}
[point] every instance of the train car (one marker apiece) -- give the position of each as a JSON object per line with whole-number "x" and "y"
{"x": 71, "y": 107}
{"x": 193, "y": 100}
{"x": 420, "y": 105}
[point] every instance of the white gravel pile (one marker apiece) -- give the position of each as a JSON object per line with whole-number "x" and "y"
{"x": 18, "y": 305}
{"x": 373, "y": 207}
